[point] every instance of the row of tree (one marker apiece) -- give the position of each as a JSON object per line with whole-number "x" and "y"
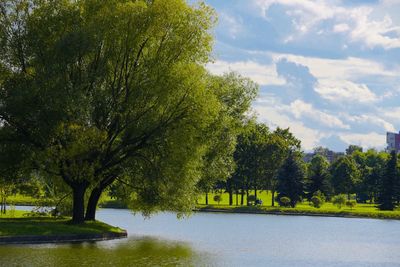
{"x": 273, "y": 161}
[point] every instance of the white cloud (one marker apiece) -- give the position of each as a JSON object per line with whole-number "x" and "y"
{"x": 349, "y": 68}
{"x": 274, "y": 116}
{"x": 369, "y": 140}
{"x": 369, "y": 119}
{"x": 391, "y": 114}
{"x": 342, "y": 27}
{"x": 231, "y": 24}
{"x": 338, "y": 78}
{"x": 372, "y": 32}
{"x": 357, "y": 21}
{"x": 345, "y": 91}
{"x": 301, "y": 109}
{"x": 261, "y": 74}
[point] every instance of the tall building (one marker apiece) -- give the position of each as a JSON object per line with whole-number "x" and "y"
{"x": 393, "y": 141}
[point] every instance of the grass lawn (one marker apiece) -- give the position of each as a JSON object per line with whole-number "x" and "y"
{"x": 361, "y": 210}
{"x": 21, "y": 200}
{"x": 18, "y": 224}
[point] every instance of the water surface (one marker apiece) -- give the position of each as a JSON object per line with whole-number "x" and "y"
{"x": 209, "y": 239}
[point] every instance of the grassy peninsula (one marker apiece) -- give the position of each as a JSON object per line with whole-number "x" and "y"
{"x": 19, "y": 223}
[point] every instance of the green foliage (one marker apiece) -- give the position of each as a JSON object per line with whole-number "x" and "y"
{"x": 351, "y": 203}
{"x": 291, "y": 179}
{"x": 285, "y": 202}
{"x": 218, "y": 198}
{"x": 95, "y": 91}
{"x": 235, "y": 93}
{"x": 50, "y": 226}
{"x": 345, "y": 175}
{"x": 339, "y": 200}
{"x": 318, "y": 176}
{"x": 353, "y": 148}
{"x": 251, "y": 198}
{"x": 316, "y": 201}
{"x": 389, "y": 184}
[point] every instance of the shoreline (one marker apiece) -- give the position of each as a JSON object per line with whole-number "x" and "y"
{"x": 343, "y": 214}
{"x": 59, "y": 239}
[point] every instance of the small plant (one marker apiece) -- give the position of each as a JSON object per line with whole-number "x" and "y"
{"x": 251, "y": 198}
{"x": 318, "y": 199}
{"x": 351, "y": 203}
{"x": 284, "y": 201}
{"x": 218, "y": 198}
{"x": 339, "y": 200}
{"x": 12, "y": 211}
{"x": 317, "y": 202}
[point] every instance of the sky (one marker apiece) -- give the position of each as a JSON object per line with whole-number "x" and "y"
{"x": 328, "y": 70}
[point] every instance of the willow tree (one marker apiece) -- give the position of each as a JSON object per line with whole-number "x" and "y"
{"x": 99, "y": 91}
{"x": 236, "y": 94}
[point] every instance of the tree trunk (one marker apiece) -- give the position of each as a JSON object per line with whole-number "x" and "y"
{"x": 230, "y": 197}
{"x": 92, "y": 204}
{"x": 255, "y": 193}
{"x": 273, "y": 198}
{"x": 78, "y": 212}
{"x": 2, "y": 207}
{"x": 206, "y": 198}
{"x": 242, "y": 197}
{"x": 237, "y": 198}
{"x": 247, "y": 197}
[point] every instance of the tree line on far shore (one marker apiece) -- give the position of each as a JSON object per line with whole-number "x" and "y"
{"x": 273, "y": 161}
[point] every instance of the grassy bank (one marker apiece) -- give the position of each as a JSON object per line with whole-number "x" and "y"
{"x": 361, "y": 211}
{"x": 21, "y": 200}
{"x": 18, "y": 224}
{"x": 328, "y": 209}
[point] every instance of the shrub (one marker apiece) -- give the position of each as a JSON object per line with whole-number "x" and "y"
{"x": 284, "y": 201}
{"x": 351, "y": 203}
{"x": 339, "y": 200}
{"x": 251, "y": 198}
{"x": 218, "y": 198}
{"x": 320, "y": 195}
{"x": 316, "y": 201}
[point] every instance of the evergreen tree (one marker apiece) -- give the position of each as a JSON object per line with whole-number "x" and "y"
{"x": 387, "y": 194}
{"x": 291, "y": 180}
{"x": 318, "y": 175}
{"x": 344, "y": 175}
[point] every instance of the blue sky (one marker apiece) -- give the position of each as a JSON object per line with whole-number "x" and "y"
{"x": 329, "y": 70}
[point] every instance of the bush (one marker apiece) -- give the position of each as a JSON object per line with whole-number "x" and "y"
{"x": 339, "y": 200}
{"x": 320, "y": 195}
{"x": 251, "y": 198}
{"x": 351, "y": 203}
{"x": 284, "y": 201}
{"x": 317, "y": 201}
{"x": 218, "y": 198}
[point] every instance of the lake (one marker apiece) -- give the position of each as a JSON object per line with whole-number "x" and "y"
{"x": 216, "y": 239}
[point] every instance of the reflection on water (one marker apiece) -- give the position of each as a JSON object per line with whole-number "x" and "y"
{"x": 131, "y": 252}
{"x": 207, "y": 239}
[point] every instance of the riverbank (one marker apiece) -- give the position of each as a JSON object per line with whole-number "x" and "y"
{"x": 22, "y": 229}
{"x": 303, "y": 211}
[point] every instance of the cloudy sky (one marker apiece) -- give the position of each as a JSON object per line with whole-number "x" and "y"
{"x": 329, "y": 70}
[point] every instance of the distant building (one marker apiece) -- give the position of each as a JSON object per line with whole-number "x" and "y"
{"x": 393, "y": 141}
{"x": 330, "y": 155}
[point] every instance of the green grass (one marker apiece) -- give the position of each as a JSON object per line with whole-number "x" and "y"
{"x": 21, "y": 200}
{"x": 265, "y": 196}
{"x": 19, "y": 224}
{"x": 361, "y": 210}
